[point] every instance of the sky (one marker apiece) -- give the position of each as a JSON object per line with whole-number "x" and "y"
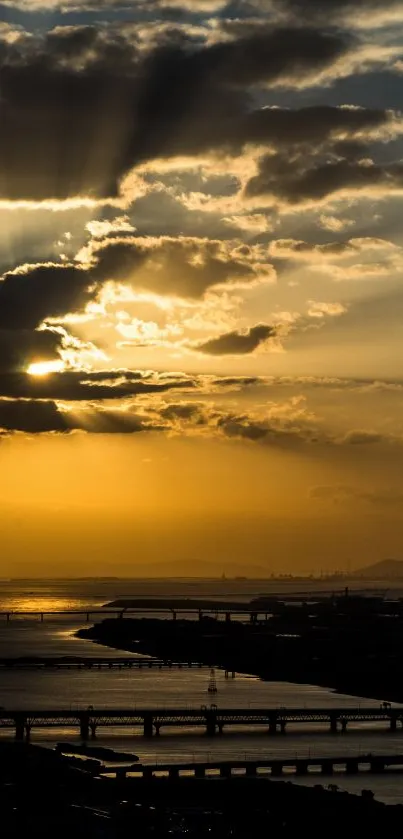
{"x": 201, "y": 300}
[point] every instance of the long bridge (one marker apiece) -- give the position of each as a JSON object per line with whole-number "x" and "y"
{"x": 275, "y": 767}
{"x": 211, "y": 718}
{"x": 174, "y": 612}
{"x": 99, "y": 663}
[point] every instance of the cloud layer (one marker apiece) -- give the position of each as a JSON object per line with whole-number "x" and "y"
{"x": 207, "y": 187}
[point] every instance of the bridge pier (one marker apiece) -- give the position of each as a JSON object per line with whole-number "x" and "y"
{"x": 211, "y": 723}
{"x": 273, "y": 724}
{"x": 377, "y": 765}
{"x": 220, "y": 727}
{"x": 283, "y": 725}
{"x": 225, "y": 771}
{"x": 157, "y": 727}
{"x": 84, "y": 718}
{"x": 20, "y": 726}
{"x": 200, "y": 772}
{"x": 343, "y": 724}
{"x": 327, "y": 767}
{"x": 93, "y": 729}
{"x": 352, "y": 766}
{"x": 148, "y": 725}
{"x": 393, "y": 724}
{"x": 277, "y": 769}
{"x": 333, "y": 724}
{"x": 301, "y": 767}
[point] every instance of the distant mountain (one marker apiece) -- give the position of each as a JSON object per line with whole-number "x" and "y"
{"x": 382, "y": 570}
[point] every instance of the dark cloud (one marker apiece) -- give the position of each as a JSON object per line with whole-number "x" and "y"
{"x": 286, "y": 425}
{"x": 181, "y": 411}
{"x": 279, "y": 431}
{"x": 238, "y": 343}
{"x": 21, "y": 347}
{"x": 184, "y": 267}
{"x": 243, "y": 428}
{"x": 335, "y": 9}
{"x": 294, "y": 248}
{"x": 111, "y": 422}
{"x": 39, "y": 417}
{"x": 294, "y": 431}
{"x": 33, "y": 293}
{"x": 364, "y": 438}
{"x": 30, "y": 417}
{"x": 291, "y": 247}
{"x": 239, "y": 381}
{"x": 82, "y": 107}
{"x": 306, "y": 175}
{"x": 317, "y": 123}
{"x": 85, "y": 386}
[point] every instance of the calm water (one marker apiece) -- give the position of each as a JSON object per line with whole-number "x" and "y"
{"x": 21, "y": 689}
{"x": 76, "y": 594}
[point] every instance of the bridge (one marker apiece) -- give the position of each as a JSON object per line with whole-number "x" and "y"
{"x": 211, "y": 718}
{"x": 87, "y": 615}
{"x": 274, "y": 767}
{"x": 99, "y": 663}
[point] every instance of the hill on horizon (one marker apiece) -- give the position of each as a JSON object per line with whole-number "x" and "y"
{"x": 383, "y": 569}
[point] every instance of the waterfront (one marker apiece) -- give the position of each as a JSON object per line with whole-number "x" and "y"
{"x": 113, "y": 689}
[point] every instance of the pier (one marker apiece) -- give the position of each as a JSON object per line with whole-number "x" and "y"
{"x": 210, "y": 718}
{"x": 274, "y": 767}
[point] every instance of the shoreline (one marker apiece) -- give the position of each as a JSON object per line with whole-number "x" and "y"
{"x": 344, "y": 688}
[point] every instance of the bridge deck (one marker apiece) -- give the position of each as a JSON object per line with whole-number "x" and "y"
{"x": 211, "y": 718}
{"x": 132, "y": 610}
{"x": 193, "y": 716}
{"x": 67, "y": 663}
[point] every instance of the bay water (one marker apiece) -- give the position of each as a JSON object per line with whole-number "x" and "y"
{"x": 23, "y": 689}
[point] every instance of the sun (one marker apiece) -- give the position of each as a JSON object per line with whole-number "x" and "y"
{"x": 43, "y": 368}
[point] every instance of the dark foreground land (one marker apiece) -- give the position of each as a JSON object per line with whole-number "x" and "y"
{"x": 45, "y": 795}
{"x": 352, "y": 644}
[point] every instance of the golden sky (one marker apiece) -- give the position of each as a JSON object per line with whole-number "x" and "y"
{"x": 200, "y": 285}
